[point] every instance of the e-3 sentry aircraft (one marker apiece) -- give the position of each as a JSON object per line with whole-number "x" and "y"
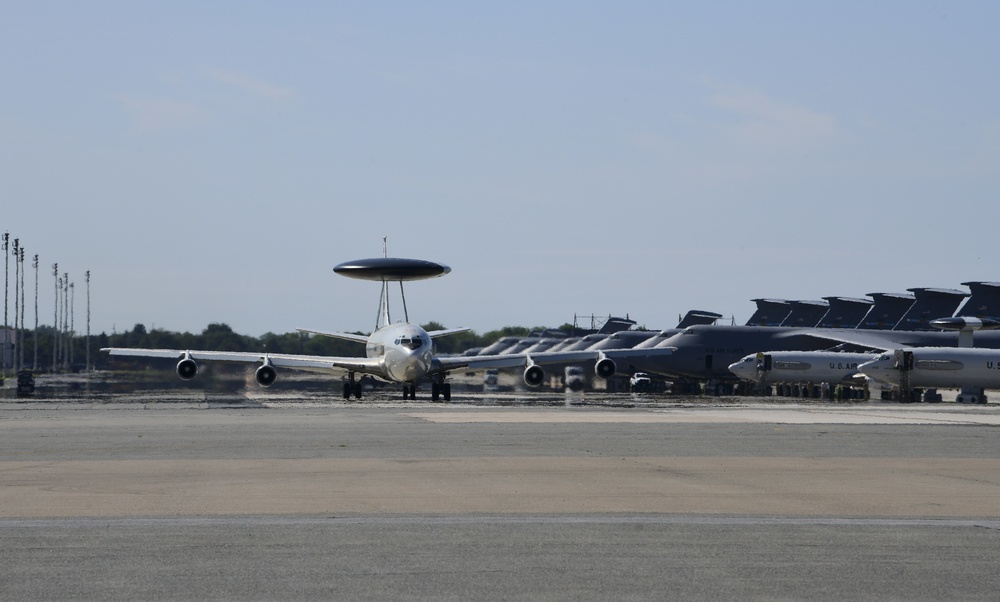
{"x": 398, "y": 352}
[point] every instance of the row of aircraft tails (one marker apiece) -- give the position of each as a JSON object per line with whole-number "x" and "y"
{"x": 922, "y": 339}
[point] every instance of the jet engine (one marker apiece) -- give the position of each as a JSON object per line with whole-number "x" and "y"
{"x": 534, "y": 375}
{"x": 187, "y": 368}
{"x": 605, "y": 368}
{"x": 266, "y": 375}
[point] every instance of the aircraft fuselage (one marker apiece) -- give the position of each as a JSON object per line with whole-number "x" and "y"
{"x": 799, "y": 366}
{"x": 706, "y": 352}
{"x": 404, "y": 351}
{"x": 938, "y": 367}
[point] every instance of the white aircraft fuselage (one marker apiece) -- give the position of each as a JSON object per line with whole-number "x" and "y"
{"x": 404, "y": 351}
{"x": 799, "y": 366}
{"x": 938, "y": 367}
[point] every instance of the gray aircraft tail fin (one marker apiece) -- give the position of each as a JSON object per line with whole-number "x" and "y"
{"x": 930, "y": 304}
{"x": 770, "y": 312}
{"x": 984, "y": 301}
{"x": 845, "y": 312}
{"x": 887, "y": 310}
{"x": 697, "y": 316}
{"x": 805, "y": 313}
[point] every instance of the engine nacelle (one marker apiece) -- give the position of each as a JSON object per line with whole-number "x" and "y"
{"x": 534, "y": 375}
{"x": 605, "y": 368}
{"x": 266, "y": 375}
{"x": 187, "y": 368}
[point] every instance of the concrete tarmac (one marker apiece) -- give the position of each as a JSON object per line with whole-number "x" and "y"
{"x": 154, "y": 497}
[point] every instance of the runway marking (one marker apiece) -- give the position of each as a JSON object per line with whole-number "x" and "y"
{"x": 770, "y": 415}
{"x": 548, "y": 519}
{"x": 558, "y": 416}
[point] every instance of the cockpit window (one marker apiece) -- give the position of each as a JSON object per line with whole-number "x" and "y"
{"x": 414, "y": 343}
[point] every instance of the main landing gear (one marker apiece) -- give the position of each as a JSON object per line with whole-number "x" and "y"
{"x": 442, "y": 389}
{"x": 439, "y": 389}
{"x": 352, "y": 387}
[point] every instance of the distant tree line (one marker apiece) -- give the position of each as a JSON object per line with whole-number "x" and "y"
{"x": 221, "y": 337}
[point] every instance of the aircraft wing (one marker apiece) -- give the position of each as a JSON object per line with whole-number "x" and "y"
{"x": 515, "y": 360}
{"x": 862, "y": 340}
{"x": 636, "y": 354}
{"x": 280, "y": 360}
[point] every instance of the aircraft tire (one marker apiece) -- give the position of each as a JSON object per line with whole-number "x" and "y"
{"x": 347, "y": 390}
{"x": 435, "y": 391}
{"x": 446, "y": 391}
{"x": 357, "y": 390}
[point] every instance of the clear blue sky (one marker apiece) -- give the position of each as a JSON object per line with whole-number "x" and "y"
{"x": 212, "y": 162}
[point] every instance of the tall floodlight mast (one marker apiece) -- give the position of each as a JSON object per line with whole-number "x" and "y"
{"x": 88, "y": 320}
{"x": 59, "y": 336}
{"x": 65, "y": 321}
{"x": 72, "y": 321}
{"x": 55, "y": 318}
{"x": 17, "y": 305}
{"x": 6, "y": 263}
{"x": 21, "y": 335}
{"x": 34, "y": 365}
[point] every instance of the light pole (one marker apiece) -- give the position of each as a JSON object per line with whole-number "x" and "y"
{"x": 88, "y": 320}
{"x": 55, "y": 319}
{"x": 65, "y": 320}
{"x": 17, "y": 305}
{"x": 72, "y": 322}
{"x": 20, "y": 336}
{"x": 6, "y": 266}
{"x": 34, "y": 365}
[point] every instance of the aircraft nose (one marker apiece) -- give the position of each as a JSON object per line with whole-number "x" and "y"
{"x": 744, "y": 370}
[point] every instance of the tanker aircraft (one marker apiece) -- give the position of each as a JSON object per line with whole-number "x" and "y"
{"x": 399, "y": 352}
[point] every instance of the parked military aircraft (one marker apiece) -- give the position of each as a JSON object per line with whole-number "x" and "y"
{"x": 964, "y": 367}
{"x": 971, "y": 370}
{"x": 395, "y": 352}
{"x": 831, "y": 367}
{"x": 706, "y": 352}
